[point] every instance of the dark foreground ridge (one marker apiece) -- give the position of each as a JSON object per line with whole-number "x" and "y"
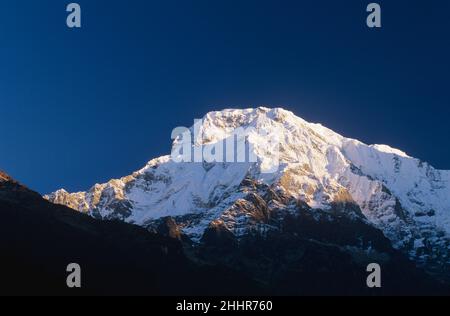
{"x": 39, "y": 239}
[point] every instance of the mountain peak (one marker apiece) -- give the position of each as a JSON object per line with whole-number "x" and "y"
{"x": 250, "y": 117}
{"x": 219, "y": 125}
{"x": 405, "y": 198}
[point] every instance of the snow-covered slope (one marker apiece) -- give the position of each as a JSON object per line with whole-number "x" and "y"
{"x": 404, "y": 197}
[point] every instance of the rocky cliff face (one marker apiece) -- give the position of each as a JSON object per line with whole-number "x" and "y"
{"x": 317, "y": 172}
{"x": 310, "y": 252}
{"x": 39, "y": 239}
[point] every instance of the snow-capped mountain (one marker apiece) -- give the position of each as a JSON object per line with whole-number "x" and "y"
{"x": 407, "y": 199}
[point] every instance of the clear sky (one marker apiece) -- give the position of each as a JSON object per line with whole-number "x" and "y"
{"x": 83, "y": 106}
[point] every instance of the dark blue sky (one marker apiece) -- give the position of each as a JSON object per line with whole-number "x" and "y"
{"x": 83, "y": 106}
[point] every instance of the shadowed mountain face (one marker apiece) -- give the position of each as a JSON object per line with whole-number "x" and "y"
{"x": 38, "y": 240}
{"x": 311, "y": 253}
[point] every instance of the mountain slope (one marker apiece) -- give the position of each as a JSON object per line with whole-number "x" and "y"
{"x": 314, "y": 252}
{"x": 39, "y": 239}
{"x": 407, "y": 199}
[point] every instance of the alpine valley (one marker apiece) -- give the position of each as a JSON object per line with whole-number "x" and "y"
{"x": 333, "y": 206}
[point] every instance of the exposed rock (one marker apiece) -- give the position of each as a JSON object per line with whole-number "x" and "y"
{"x": 406, "y": 199}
